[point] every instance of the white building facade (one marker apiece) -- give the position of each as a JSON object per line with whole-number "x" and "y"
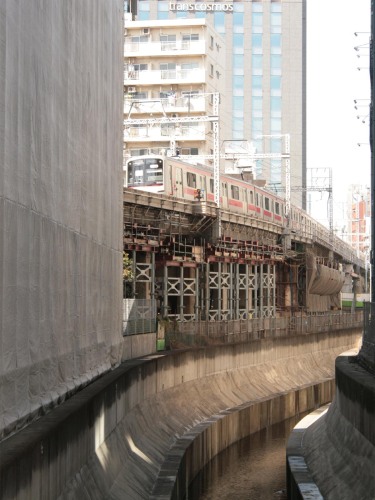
{"x": 172, "y": 70}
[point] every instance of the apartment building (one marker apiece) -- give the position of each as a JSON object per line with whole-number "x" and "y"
{"x": 173, "y": 69}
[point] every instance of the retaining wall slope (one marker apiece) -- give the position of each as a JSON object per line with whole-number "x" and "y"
{"x": 112, "y": 439}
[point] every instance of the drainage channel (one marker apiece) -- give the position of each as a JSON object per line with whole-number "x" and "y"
{"x": 251, "y": 469}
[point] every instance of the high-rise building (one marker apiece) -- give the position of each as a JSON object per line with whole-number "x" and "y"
{"x": 264, "y": 60}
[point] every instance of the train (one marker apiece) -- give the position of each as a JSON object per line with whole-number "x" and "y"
{"x": 174, "y": 177}
{"x": 170, "y": 176}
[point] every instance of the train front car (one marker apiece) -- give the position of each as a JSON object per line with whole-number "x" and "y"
{"x": 145, "y": 173}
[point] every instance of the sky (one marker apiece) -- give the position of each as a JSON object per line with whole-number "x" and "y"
{"x": 333, "y": 83}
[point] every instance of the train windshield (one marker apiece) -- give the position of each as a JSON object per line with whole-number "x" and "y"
{"x": 145, "y": 172}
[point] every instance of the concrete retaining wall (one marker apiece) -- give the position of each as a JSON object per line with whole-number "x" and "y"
{"x": 338, "y": 449}
{"x": 195, "y": 449}
{"x": 112, "y": 438}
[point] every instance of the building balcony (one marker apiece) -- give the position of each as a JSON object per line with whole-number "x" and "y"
{"x": 161, "y": 49}
{"x": 185, "y": 104}
{"x": 164, "y": 77}
{"x": 135, "y": 134}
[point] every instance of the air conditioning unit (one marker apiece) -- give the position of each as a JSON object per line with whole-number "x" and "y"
{"x": 132, "y": 90}
{"x": 146, "y": 31}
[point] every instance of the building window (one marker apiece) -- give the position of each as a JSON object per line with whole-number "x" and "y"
{"x": 257, "y": 43}
{"x": 276, "y": 172}
{"x": 192, "y": 65}
{"x": 163, "y": 10}
{"x": 181, "y": 14}
{"x": 139, "y": 152}
{"x": 257, "y": 7}
{"x": 139, "y": 95}
{"x": 276, "y": 125}
{"x": 238, "y": 22}
{"x": 276, "y": 19}
{"x": 168, "y": 42}
{"x": 256, "y": 21}
{"x": 275, "y": 41}
{"x": 189, "y": 151}
{"x": 275, "y": 64}
{"x": 276, "y": 6}
{"x": 238, "y": 61}
{"x": 219, "y": 22}
{"x": 143, "y": 11}
{"x": 238, "y": 85}
{"x": 168, "y": 70}
{"x": 275, "y": 106}
{"x": 139, "y": 39}
{"x": 191, "y": 37}
{"x": 200, "y": 14}
{"x": 238, "y": 125}
{"x": 275, "y": 82}
{"x": 238, "y": 43}
{"x": 275, "y": 22}
{"x": 257, "y": 103}
{"x": 257, "y": 64}
{"x": 237, "y": 103}
{"x": 256, "y": 82}
{"x": 256, "y": 125}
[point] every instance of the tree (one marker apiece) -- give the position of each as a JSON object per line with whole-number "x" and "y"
{"x": 127, "y": 276}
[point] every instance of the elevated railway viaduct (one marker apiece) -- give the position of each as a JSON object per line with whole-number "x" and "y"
{"x": 201, "y": 264}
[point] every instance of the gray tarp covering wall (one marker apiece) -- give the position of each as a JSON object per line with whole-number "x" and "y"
{"x": 60, "y": 199}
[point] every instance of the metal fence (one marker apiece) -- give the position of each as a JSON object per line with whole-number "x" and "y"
{"x": 181, "y": 334}
{"x": 139, "y": 316}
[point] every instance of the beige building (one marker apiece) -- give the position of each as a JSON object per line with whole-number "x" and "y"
{"x": 173, "y": 74}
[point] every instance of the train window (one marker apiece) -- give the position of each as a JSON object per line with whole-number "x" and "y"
{"x": 245, "y": 195}
{"x": 251, "y": 197}
{"x": 277, "y": 208}
{"x": 257, "y": 199}
{"x": 211, "y": 185}
{"x": 145, "y": 171}
{"x": 235, "y": 192}
{"x": 191, "y": 179}
{"x": 224, "y": 188}
{"x": 266, "y": 203}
